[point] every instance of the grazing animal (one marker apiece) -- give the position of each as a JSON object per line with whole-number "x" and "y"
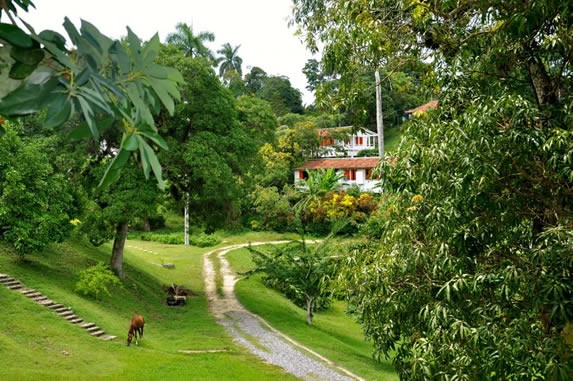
{"x": 135, "y": 329}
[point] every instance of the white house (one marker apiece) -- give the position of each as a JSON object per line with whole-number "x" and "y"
{"x": 345, "y": 141}
{"x": 357, "y": 171}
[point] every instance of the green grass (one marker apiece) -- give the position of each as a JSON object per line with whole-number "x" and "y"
{"x": 37, "y": 344}
{"x": 334, "y": 334}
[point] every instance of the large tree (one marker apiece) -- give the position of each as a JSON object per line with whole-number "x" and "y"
{"x": 191, "y": 44}
{"x": 467, "y": 270}
{"x": 211, "y": 149}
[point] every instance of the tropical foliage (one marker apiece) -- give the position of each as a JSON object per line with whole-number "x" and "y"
{"x": 107, "y": 82}
{"x": 466, "y": 271}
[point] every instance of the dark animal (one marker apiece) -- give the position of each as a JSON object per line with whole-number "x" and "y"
{"x": 135, "y": 329}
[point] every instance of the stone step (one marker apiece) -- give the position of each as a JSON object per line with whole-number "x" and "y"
{"x": 97, "y": 333}
{"x": 46, "y": 302}
{"x": 71, "y": 317}
{"x": 77, "y": 320}
{"x": 12, "y": 282}
{"x": 56, "y": 306}
{"x": 39, "y": 298}
{"x": 3, "y": 276}
{"x": 93, "y": 328}
{"x": 61, "y": 309}
{"x": 66, "y": 313}
{"x": 16, "y": 286}
{"x": 107, "y": 337}
{"x": 87, "y": 325}
{"x": 27, "y": 291}
{"x": 34, "y": 294}
{"x": 7, "y": 279}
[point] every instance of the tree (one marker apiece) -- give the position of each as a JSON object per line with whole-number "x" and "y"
{"x": 319, "y": 183}
{"x": 466, "y": 273}
{"x": 302, "y": 272}
{"x": 283, "y": 98}
{"x": 211, "y": 150}
{"x": 229, "y": 60}
{"x": 112, "y": 210}
{"x": 190, "y": 44}
{"x": 107, "y": 83}
{"x": 37, "y": 203}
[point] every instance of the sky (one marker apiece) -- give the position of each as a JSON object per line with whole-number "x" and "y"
{"x": 259, "y": 26}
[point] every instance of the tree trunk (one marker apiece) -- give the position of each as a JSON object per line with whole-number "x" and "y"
{"x": 146, "y": 225}
{"x": 379, "y": 115}
{"x": 309, "y": 308}
{"x": 186, "y": 218}
{"x": 116, "y": 263}
{"x": 545, "y": 91}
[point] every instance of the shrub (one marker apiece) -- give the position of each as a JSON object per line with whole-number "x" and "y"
{"x": 96, "y": 280}
{"x": 204, "y": 240}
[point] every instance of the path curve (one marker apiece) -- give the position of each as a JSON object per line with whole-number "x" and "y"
{"x": 255, "y": 333}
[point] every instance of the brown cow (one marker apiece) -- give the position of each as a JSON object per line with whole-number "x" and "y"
{"x": 135, "y": 329}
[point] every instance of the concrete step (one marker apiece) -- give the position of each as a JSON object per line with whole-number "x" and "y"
{"x": 39, "y": 298}
{"x": 107, "y": 337}
{"x": 56, "y": 306}
{"x": 66, "y": 313}
{"x": 93, "y": 328}
{"x": 97, "y": 333}
{"x": 77, "y": 320}
{"x": 61, "y": 309}
{"x": 87, "y": 325}
{"x": 71, "y": 317}
{"x": 34, "y": 294}
{"x": 3, "y": 276}
{"x": 16, "y": 286}
{"x": 27, "y": 291}
{"x": 46, "y": 302}
{"x": 12, "y": 283}
{"x": 7, "y": 279}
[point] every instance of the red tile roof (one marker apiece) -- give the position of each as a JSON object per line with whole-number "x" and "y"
{"x": 341, "y": 163}
{"x": 431, "y": 105}
{"x": 328, "y": 131}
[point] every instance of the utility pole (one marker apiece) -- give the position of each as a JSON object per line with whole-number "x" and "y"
{"x": 379, "y": 114}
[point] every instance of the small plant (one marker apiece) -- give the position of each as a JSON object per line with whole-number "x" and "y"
{"x": 96, "y": 280}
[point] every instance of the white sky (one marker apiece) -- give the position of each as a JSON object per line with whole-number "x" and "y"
{"x": 259, "y": 26}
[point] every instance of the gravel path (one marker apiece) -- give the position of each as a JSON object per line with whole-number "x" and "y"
{"x": 256, "y": 334}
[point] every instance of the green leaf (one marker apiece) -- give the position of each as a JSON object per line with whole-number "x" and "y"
{"x": 21, "y": 71}
{"x": 72, "y": 31}
{"x": 163, "y": 94}
{"x": 59, "y": 110}
{"x": 101, "y": 42}
{"x": 15, "y": 36}
{"x": 130, "y": 142}
{"x": 88, "y": 116}
{"x": 156, "y": 71}
{"x": 55, "y": 38}
{"x": 26, "y": 55}
{"x": 30, "y": 96}
{"x": 120, "y": 57}
{"x": 151, "y": 49}
{"x": 114, "y": 170}
{"x": 149, "y": 158}
{"x": 135, "y": 48}
{"x": 154, "y": 137}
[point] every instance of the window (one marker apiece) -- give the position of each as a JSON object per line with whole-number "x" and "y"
{"x": 358, "y": 140}
{"x": 302, "y": 175}
{"x": 350, "y": 174}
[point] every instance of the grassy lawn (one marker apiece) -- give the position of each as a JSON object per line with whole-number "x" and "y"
{"x": 35, "y": 343}
{"x": 334, "y": 334}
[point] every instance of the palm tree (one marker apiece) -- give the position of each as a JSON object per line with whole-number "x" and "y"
{"x": 229, "y": 60}
{"x": 192, "y": 45}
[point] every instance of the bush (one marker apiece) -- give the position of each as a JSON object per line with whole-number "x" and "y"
{"x": 168, "y": 239}
{"x": 96, "y": 280}
{"x": 204, "y": 240}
